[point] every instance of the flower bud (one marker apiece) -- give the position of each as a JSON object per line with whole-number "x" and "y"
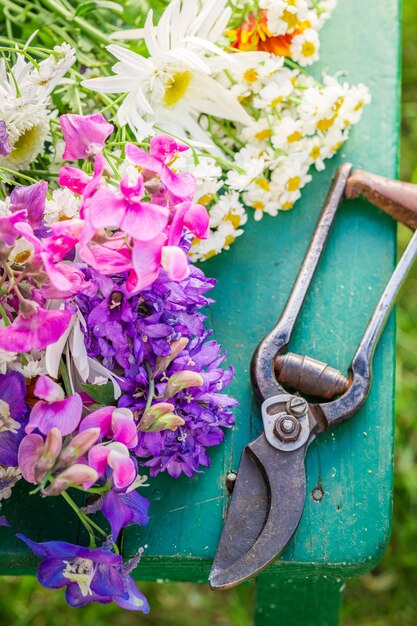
{"x": 51, "y": 449}
{"x": 79, "y": 445}
{"x": 159, "y": 417}
{"x": 182, "y": 380}
{"x": 176, "y": 348}
{"x": 77, "y": 474}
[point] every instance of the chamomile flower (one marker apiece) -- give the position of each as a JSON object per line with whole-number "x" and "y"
{"x": 177, "y": 81}
{"x": 287, "y": 132}
{"x": 63, "y": 205}
{"x": 283, "y": 16}
{"x": 305, "y": 46}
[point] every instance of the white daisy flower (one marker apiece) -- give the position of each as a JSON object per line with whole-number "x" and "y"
{"x": 304, "y": 47}
{"x": 22, "y": 251}
{"x": 177, "y": 82}
{"x": 277, "y": 89}
{"x": 8, "y": 478}
{"x": 286, "y": 132}
{"x": 7, "y": 360}
{"x": 284, "y": 15}
{"x": 63, "y": 205}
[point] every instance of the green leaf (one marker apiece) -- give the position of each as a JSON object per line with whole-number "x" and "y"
{"x": 87, "y": 7}
{"x": 102, "y": 394}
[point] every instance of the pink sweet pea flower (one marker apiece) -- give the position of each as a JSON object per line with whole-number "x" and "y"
{"x": 79, "y": 182}
{"x": 34, "y": 329}
{"x": 163, "y": 150}
{"x": 8, "y": 226}
{"x": 37, "y": 456}
{"x": 117, "y": 457}
{"x": 84, "y": 135}
{"x": 141, "y": 220}
{"x": 54, "y": 410}
{"x": 114, "y": 423}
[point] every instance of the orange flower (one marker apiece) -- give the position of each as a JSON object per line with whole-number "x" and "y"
{"x": 254, "y": 34}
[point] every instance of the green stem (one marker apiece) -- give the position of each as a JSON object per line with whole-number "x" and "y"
{"x": 65, "y": 377}
{"x": 4, "y": 316}
{"x": 81, "y": 516}
{"x": 18, "y": 174}
{"x": 151, "y": 392}
{"x": 97, "y": 35}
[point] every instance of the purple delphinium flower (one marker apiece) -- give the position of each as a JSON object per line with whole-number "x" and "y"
{"x": 133, "y": 335}
{"x": 121, "y": 509}
{"x": 204, "y": 409}
{"x": 13, "y": 410}
{"x": 89, "y": 575}
{"x": 5, "y": 147}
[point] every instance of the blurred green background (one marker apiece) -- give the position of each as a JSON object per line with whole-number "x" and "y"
{"x": 385, "y": 597}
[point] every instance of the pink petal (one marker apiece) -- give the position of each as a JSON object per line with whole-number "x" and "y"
{"x": 197, "y": 221}
{"x": 34, "y": 332}
{"x": 97, "y": 458}
{"x": 143, "y": 159}
{"x": 165, "y": 147}
{"x": 30, "y": 450}
{"x": 83, "y": 132}
{"x": 181, "y": 185}
{"x": 174, "y": 261}
{"x": 132, "y": 192}
{"x": 124, "y": 470}
{"x": 102, "y": 419}
{"x": 146, "y": 257}
{"x": 64, "y": 415}
{"x": 73, "y": 178}
{"x": 109, "y": 261}
{"x": 144, "y": 220}
{"x": 8, "y": 231}
{"x": 124, "y": 427}
{"x": 57, "y": 277}
{"x": 48, "y": 390}
{"x": 105, "y": 209}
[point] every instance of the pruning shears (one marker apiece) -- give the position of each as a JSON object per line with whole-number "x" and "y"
{"x": 302, "y": 397}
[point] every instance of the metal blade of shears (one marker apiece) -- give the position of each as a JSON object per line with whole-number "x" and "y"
{"x": 266, "y": 507}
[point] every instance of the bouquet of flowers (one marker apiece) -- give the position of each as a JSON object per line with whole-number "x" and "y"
{"x": 106, "y": 363}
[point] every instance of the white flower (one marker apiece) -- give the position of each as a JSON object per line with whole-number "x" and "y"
{"x": 289, "y": 178}
{"x": 304, "y": 47}
{"x": 25, "y": 101}
{"x": 177, "y": 83}
{"x": 252, "y": 163}
{"x": 280, "y": 86}
{"x": 284, "y": 15}
{"x": 7, "y": 360}
{"x": 286, "y": 132}
{"x": 22, "y": 251}
{"x": 63, "y": 205}
{"x": 260, "y": 198}
{"x": 8, "y": 478}
{"x": 34, "y": 367}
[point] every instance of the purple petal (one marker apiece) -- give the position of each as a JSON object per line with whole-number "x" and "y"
{"x": 117, "y": 512}
{"x": 3, "y": 521}
{"x": 74, "y": 597}
{"x": 9, "y": 445}
{"x": 50, "y": 573}
{"x": 51, "y": 549}
{"x": 32, "y": 200}
{"x": 135, "y": 601}
{"x": 5, "y": 147}
{"x": 107, "y": 581}
{"x": 13, "y": 392}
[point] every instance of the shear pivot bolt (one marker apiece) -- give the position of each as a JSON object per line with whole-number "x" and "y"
{"x": 297, "y": 407}
{"x": 287, "y": 428}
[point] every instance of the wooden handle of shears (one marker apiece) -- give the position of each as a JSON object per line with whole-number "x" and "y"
{"x": 394, "y": 197}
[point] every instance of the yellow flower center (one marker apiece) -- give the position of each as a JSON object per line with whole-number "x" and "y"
{"x": 276, "y": 101}
{"x": 293, "y": 183}
{"x": 287, "y": 206}
{"x": 22, "y": 257}
{"x": 208, "y": 197}
{"x": 290, "y": 18}
{"x": 258, "y": 205}
{"x": 210, "y": 254}
{"x": 325, "y": 124}
{"x": 263, "y": 134}
{"x": 263, "y": 183}
{"x": 228, "y": 241}
{"x": 250, "y": 76}
{"x": 233, "y": 219}
{"x": 176, "y": 87}
{"x": 359, "y": 106}
{"x": 295, "y": 136}
{"x": 315, "y": 153}
{"x": 337, "y": 146}
{"x": 308, "y": 49}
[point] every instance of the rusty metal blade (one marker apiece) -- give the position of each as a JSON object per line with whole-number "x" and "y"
{"x": 265, "y": 510}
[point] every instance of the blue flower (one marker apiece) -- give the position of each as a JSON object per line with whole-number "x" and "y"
{"x": 96, "y": 575}
{"x": 123, "y": 508}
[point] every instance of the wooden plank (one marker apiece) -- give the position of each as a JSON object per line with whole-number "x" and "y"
{"x": 348, "y": 529}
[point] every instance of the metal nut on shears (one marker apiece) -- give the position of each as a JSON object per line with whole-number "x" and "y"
{"x": 287, "y": 428}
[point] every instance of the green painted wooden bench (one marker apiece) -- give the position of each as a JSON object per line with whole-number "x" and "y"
{"x": 344, "y": 533}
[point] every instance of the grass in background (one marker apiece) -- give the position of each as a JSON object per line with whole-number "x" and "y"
{"x": 385, "y": 597}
